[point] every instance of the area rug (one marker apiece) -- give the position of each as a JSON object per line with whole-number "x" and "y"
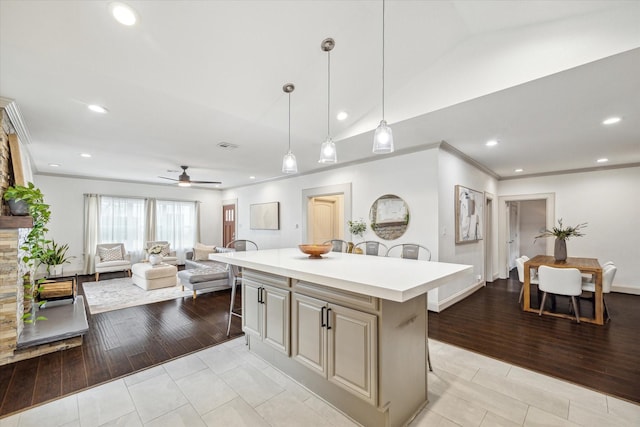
{"x": 114, "y": 294}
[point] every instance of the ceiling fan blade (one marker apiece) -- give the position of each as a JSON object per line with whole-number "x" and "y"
{"x": 205, "y": 182}
{"x": 164, "y": 177}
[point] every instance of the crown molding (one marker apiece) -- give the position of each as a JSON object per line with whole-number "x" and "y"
{"x": 17, "y": 122}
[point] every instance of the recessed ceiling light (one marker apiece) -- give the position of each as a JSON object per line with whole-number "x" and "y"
{"x": 86, "y": 155}
{"x": 611, "y": 120}
{"x": 491, "y": 143}
{"x": 518, "y": 170}
{"x": 54, "y": 165}
{"x": 97, "y": 108}
{"x": 252, "y": 177}
{"x": 123, "y": 13}
{"x": 342, "y": 115}
{"x": 602, "y": 160}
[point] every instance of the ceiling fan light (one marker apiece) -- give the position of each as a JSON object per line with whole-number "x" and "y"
{"x": 328, "y": 152}
{"x": 383, "y": 139}
{"x": 184, "y": 184}
{"x": 289, "y": 164}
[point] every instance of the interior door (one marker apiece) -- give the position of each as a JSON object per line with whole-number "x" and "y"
{"x": 228, "y": 224}
{"x": 513, "y": 225}
{"x": 323, "y": 224}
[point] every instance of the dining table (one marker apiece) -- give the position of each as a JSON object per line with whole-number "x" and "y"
{"x": 585, "y": 265}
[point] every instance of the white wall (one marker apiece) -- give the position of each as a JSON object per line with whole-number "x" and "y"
{"x": 532, "y": 222}
{"x": 455, "y": 171}
{"x": 609, "y": 202}
{"x": 66, "y": 197}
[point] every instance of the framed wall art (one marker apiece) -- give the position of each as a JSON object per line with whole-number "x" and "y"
{"x": 265, "y": 216}
{"x": 469, "y": 214}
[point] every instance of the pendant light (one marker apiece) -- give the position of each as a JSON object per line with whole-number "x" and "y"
{"x": 383, "y": 136}
{"x": 328, "y": 153}
{"x": 289, "y": 164}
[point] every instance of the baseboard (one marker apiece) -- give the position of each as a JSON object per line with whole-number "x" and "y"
{"x": 626, "y": 289}
{"x": 438, "y": 306}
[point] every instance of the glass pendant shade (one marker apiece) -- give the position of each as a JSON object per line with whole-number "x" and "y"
{"x": 383, "y": 139}
{"x": 328, "y": 153}
{"x": 289, "y": 164}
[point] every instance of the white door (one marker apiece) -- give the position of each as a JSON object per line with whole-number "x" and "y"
{"x": 513, "y": 234}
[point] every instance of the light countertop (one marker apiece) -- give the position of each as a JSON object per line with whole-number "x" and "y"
{"x": 394, "y": 279}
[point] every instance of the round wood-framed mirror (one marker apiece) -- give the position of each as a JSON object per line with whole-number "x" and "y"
{"x": 389, "y": 217}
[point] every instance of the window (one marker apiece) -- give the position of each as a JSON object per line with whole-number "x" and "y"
{"x": 176, "y": 223}
{"x": 122, "y": 220}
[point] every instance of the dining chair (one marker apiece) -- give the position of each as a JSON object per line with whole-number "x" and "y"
{"x": 560, "y": 281}
{"x": 240, "y": 245}
{"x": 338, "y": 245}
{"x": 409, "y": 251}
{"x": 608, "y": 274}
{"x": 371, "y": 247}
{"x": 533, "y": 277}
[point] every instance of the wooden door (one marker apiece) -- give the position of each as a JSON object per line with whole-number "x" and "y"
{"x": 323, "y": 219}
{"x": 228, "y": 224}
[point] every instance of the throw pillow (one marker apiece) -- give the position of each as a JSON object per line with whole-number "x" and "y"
{"x": 165, "y": 250}
{"x": 201, "y": 254}
{"x": 205, "y": 247}
{"x": 113, "y": 254}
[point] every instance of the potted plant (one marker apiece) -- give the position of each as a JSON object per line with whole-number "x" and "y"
{"x": 356, "y": 228}
{"x": 55, "y": 256}
{"x": 34, "y": 245}
{"x": 155, "y": 254}
{"x": 562, "y": 234}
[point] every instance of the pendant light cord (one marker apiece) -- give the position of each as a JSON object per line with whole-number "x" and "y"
{"x": 383, "y": 7}
{"x": 289, "y": 121}
{"x": 328, "y": 92}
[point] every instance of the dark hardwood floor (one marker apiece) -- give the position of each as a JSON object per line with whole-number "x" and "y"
{"x": 118, "y": 343}
{"x": 604, "y": 358}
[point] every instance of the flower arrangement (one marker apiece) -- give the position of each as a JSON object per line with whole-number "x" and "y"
{"x": 357, "y": 227}
{"x": 563, "y": 233}
{"x": 155, "y": 249}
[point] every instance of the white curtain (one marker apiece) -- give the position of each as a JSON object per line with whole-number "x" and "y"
{"x": 150, "y": 216}
{"x": 91, "y": 225}
{"x": 176, "y": 222}
{"x": 122, "y": 220}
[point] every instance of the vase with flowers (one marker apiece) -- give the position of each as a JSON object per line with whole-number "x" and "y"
{"x": 356, "y": 228}
{"x": 562, "y": 234}
{"x": 155, "y": 254}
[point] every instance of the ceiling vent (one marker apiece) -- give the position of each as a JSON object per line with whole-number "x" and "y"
{"x": 227, "y": 146}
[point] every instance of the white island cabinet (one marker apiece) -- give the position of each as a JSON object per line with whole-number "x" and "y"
{"x": 351, "y": 328}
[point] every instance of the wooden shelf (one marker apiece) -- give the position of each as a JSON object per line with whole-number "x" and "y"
{"x": 9, "y": 221}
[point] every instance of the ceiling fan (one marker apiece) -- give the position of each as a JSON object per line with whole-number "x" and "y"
{"x": 185, "y": 181}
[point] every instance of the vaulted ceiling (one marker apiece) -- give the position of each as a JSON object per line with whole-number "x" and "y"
{"x": 538, "y": 76}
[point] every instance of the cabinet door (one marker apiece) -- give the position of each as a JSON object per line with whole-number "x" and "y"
{"x": 251, "y": 321}
{"x": 309, "y": 336}
{"x": 275, "y": 327}
{"x": 352, "y": 351}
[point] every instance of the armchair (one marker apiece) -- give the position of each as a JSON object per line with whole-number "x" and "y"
{"x": 111, "y": 257}
{"x": 170, "y": 257}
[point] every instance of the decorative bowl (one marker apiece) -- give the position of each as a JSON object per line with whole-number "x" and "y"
{"x": 314, "y": 251}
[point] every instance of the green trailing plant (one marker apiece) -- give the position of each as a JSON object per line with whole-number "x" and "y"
{"x": 357, "y": 227}
{"x": 563, "y": 233}
{"x": 35, "y": 244}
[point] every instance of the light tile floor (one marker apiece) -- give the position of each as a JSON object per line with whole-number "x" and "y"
{"x": 228, "y": 386}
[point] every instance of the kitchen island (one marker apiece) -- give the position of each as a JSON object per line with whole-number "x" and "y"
{"x": 351, "y": 328}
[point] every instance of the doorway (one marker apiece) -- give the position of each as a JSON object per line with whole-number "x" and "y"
{"x": 326, "y": 211}
{"x": 517, "y": 228}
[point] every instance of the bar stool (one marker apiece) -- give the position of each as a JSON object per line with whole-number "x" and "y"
{"x": 235, "y": 275}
